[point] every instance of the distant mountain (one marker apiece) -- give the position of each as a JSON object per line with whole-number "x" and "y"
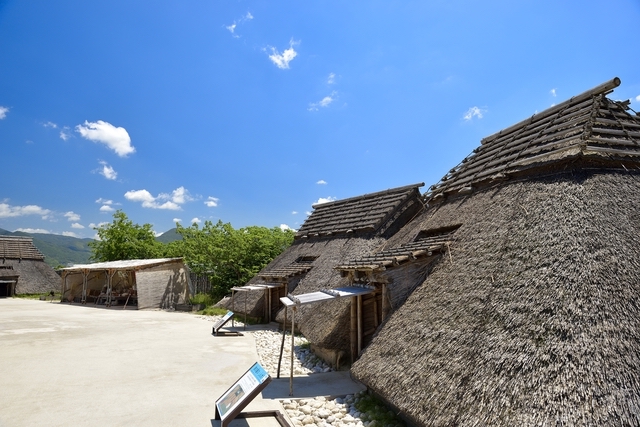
{"x": 58, "y": 250}
{"x": 169, "y": 236}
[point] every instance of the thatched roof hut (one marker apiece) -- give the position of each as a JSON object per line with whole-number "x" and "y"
{"x": 22, "y": 268}
{"x": 334, "y": 233}
{"x": 531, "y": 316}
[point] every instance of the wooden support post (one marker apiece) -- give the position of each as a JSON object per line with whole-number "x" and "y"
{"x": 359, "y": 324}
{"x": 375, "y": 310}
{"x": 284, "y": 334}
{"x": 384, "y": 301}
{"x": 83, "y": 300}
{"x": 293, "y": 330}
{"x": 233, "y": 308}
{"x": 353, "y": 328}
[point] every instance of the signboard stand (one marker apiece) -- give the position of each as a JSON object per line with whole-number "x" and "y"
{"x": 220, "y": 323}
{"x": 240, "y": 394}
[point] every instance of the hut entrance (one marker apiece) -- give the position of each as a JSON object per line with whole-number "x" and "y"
{"x": 371, "y": 313}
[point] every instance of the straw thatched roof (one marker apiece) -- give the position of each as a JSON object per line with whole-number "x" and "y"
{"x": 21, "y": 261}
{"x": 334, "y": 233}
{"x": 532, "y": 316}
{"x": 588, "y": 127}
{"x": 369, "y": 213}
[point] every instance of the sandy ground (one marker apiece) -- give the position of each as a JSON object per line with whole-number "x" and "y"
{"x": 72, "y": 365}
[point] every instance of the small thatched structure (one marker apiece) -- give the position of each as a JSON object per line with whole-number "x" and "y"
{"x": 145, "y": 283}
{"x": 334, "y": 233}
{"x": 22, "y": 268}
{"x": 531, "y": 316}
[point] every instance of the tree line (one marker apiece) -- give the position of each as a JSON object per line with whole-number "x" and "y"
{"x": 228, "y": 257}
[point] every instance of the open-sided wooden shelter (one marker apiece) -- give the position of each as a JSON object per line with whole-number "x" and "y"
{"x": 145, "y": 283}
{"x": 531, "y": 315}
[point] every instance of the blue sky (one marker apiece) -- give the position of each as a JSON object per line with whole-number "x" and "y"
{"x": 250, "y": 112}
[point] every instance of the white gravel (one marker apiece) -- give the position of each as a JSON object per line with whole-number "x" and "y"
{"x": 317, "y": 412}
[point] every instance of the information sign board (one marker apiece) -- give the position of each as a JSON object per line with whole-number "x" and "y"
{"x": 220, "y": 323}
{"x": 241, "y": 393}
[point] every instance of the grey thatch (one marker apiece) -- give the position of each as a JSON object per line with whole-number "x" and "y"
{"x": 151, "y": 283}
{"x": 22, "y": 268}
{"x": 531, "y": 317}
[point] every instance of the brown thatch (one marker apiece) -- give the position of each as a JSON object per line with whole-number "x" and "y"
{"x": 22, "y": 262}
{"x": 532, "y": 317}
{"x": 333, "y": 234}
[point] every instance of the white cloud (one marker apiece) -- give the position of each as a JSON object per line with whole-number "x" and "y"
{"x": 177, "y": 220}
{"x": 50, "y": 125}
{"x": 324, "y": 200}
{"x": 308, "y": 213}
{"x": 76, "y": 225}
{"x": 33, "y": 230}
{"x": 116, "y": 138}
{"x": 284, "y": 227}
{"x": 294, "y": 213}
{"x": 3, "y": 112}
{"x": 64, "y": 134}
{"x": 321, "y": 182}
{"x": 553, "y": 92}
{"x": 211, "y": 202}
{"x": 281, "y": 60}
{"x": 69, "y": 234}
{"x": 474, "y": 112}
{"x": 232, "y": 28}
{"x": 324, "y": 102}
{"x": 106, "y": 205}
{"x": 332, "y": 79}
{"x": 196, "y": 220}
{"x": 8, "y": 211}
{"x": 638, "y": 98}
{"x": 107, "y": 171}
{"x": 173, "y": 201}
{"x": 72, "y": 216}
{"x": 180, "y": 196}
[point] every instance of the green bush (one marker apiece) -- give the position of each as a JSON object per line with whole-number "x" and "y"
{"x": 201, "y": 298}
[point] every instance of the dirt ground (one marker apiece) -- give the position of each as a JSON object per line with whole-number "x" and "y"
{"x": 72, "y": 365}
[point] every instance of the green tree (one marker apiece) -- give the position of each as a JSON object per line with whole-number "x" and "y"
{"x": 227, "y": 256}
{"x": 122, "y": 240}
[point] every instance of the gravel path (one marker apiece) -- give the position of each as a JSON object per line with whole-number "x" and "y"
{"x": 320, "y": 412}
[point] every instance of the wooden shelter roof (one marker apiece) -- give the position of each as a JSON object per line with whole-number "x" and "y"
{"x": 420, "y": 248}
{"x": 18, "y": 247}
{"x": 366, "y": 213}
{"x": 588, "y": 126}
{"x": 131, "y": 264}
